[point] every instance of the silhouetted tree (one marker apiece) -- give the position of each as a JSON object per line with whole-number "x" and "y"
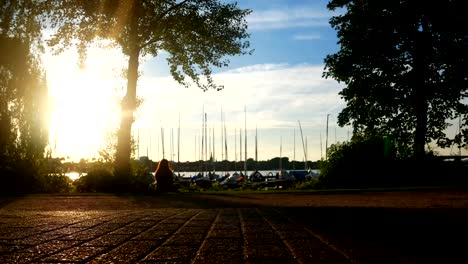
{"x": 197, "y": 34}
{"x": 23, "y": 95}
{"x": 404, "y": 65}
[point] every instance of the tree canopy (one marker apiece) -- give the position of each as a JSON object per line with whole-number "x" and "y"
{"x": 404, "y": 65}
{"x": 197, "y": 34}
{"x": 23, "y": 95}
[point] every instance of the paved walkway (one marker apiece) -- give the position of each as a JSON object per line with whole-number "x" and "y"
{"x": 170, "y": 229}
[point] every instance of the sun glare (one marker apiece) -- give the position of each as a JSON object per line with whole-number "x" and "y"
{"x": 83, "y": 102}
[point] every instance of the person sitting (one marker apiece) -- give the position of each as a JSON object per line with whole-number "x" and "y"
{"x": 164, "y": 177}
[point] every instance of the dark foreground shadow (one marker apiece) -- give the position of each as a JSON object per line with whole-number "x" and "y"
{"x": 390, "y": 235}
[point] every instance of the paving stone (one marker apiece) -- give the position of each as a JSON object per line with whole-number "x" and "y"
{"x": 262, "y": 238}
{"x": 221, "y": 245}
{"x": 142, "y": 223}
{"x": 63, "y": 231}
{"x": 220, "y": 257}
{"x": 17, "y": 257}
{"x": 200, "y": 223}
{"x": 264, "y": 250}
{"x": 129, "y": 230}
{"x": 153, "y": 234}
{"x": 85, "y": 235}
{"x": 225, "y": 233}
{"x": 185, "y": 239}
{"x": 178, "y": 253}
{"x": 184, "y": 235}
{"x": 193, "y": 229}
{"x": 108, "y": 240}
{"x": 129, "y": 252}
{"x": 168, "y": 227}
{"x": 49, "y": 247}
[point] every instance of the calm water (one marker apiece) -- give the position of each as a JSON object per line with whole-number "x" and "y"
{"x": 263, "y": 172}
{"x": 75, "y": 175}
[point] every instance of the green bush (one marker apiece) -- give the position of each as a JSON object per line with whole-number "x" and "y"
{"x": 98, "y": 179}
{"x": 307, "y": 185}
{"x": 140, "y": 180}
{"x": 55, "y": 183}
{"x": 363, "y": 162}
{"x": 373, "y": 162}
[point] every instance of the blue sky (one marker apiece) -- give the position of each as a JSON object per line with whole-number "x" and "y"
{"x": 279, "y": 84}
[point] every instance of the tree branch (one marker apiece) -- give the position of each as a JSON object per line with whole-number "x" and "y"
{"x": 161, "y": 16}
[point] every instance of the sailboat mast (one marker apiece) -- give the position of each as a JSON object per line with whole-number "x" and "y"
{"x": 245, "y": 140}
{"x": 214, "y": 160}
{"x": 281, "y": 155}
{"x": 178, "y": 145}
{"x": 171, "y": 146}
{"x": 162, "y": 142}
{"x": 256, "y": 148}
{"x": 326, "y": 140}
{"x": 305, "y": 163}
{"x": 202, "y": 139}
{"x": 225, "y": 138}
{"x": 206, "y": 143}
{"x": 222, "y": 135}
{"x": 321, "y": 151}
{"x": 235, "y": 149}
{"x": 240, "y": 147}
{"x": 303, "y": 144}
{"x": 294, "y": 155}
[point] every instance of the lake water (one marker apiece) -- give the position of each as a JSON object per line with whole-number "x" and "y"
{"x": 75, "y": 175}
{"x": 263, "y": 172}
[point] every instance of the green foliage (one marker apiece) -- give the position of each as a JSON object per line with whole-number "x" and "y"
{"x": 217, "y": 187}
{"x": 101, "y": 178}
{"x": 98, "y": 179}
{"x": 141, "y": 179}
{"x": 23, "y": 97}
{"x": 363, "y": 162}
{"x": 55, "y": 183}
{"x": 372, "y": 161}
{"x": 306, "y": 185}
{"x": 403, "y": 64}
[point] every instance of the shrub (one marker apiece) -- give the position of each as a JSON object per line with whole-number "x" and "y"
{"x": 363, "y": 162}
{"x": 98, "y": 179}
{"x": 307, "y": 185}
{"x": 141, "y": 178}
{"x": 55, "y": 183}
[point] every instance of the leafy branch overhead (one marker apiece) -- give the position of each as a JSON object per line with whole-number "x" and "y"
{"x": 404, "y": 65}
{"x": 197, "y": 34}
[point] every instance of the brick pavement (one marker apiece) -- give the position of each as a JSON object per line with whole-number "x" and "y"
{"x": 168, "y": 235}
{"x": 372, "y": 228}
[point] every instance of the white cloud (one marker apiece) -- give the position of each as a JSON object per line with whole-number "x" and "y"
{"x": 288, "y": 18}
{"x": 276, "y": 97}
{"x": 306, "y": 37}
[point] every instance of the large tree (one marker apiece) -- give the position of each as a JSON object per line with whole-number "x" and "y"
{"x": 404, "y": 65}
{"x": 197, "y": 34}
{"x": 23, "y": 95}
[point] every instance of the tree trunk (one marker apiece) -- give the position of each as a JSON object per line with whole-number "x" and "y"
{"x": 421, "y": 109}
{"x": 421, "y": 61}
{"x": 124, "y": 149}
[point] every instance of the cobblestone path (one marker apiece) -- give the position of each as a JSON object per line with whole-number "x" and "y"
{"x": 168, "y": 235}
{"x": 392, "y": 227}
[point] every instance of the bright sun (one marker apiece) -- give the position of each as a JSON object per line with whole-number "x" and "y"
{"x": 83, "y": 102}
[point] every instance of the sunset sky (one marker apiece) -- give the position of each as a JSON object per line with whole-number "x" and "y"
{"x": 279, "y": 84}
